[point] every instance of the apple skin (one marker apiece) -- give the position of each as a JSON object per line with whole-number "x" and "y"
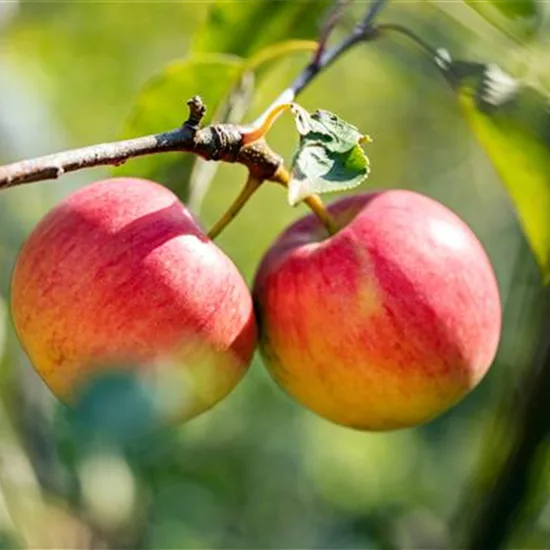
{"x": 386, "y": 324}
{"x": 120, "y": 273}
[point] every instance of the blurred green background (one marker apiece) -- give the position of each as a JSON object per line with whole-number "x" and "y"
{"x": 258, "y": 471}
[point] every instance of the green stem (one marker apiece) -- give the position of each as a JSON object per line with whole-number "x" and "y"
{"x": 388, "y": 28}
{"x": 259, "y": 129}
{"x": 314, "y": 202}
{"x": 316, "y": 205}
{"x": 252, "y": 183}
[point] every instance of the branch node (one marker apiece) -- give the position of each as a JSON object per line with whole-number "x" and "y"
{"x": 262, "y": 162}
{"x": 219, "y": 142}
{"x": 197, "y": 110}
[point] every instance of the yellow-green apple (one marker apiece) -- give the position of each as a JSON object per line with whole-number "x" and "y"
{"x": 120, "y": 273}
{"x": 387, "y": 323}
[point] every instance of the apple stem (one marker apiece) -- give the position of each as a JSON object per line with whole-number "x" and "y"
{"x": 317, "y": 206}
{"x": 261, "y": 126}
{"x": 252, "y": 183}
{"x": 314, "y": 202}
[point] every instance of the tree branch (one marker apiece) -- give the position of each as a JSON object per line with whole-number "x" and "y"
{"x": 54, "y": 166}
{"x": 363, "y": 31}
{"x": 329, "y": 25}
{"x": 384, "y": 28}
{"x": 217, "y": 142}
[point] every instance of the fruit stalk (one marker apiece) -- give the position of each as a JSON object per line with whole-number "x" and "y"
{"x": 252, "y": 183}
{"x": 266, "y": 165}
{"x": 261, "y": 126}
{"x": 314, "y": 203}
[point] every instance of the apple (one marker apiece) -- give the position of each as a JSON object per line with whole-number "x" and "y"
{"x": 387, "y": 323}
{"x": 119, "y": 275}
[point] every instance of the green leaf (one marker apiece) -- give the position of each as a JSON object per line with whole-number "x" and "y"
{"x": 520, "y": 18}
{"x": 242, "y": 28}
{"x": 511, "y": 120}
{"x": 329, "y": 157}
{"x": 161, "y": 106}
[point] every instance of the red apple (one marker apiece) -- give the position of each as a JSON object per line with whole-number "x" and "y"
{"x": 120, "y": 273}
{"x": 387, "y": 323}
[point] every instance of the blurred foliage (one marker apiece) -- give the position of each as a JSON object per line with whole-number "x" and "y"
{"x": 243, "y": 28}
{"x": 520, "y": 18}
{"x": 511, "y": 120}
{"x": 257, "y": 471}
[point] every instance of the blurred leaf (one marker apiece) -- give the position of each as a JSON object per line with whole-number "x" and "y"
{"x": 513, "y": 9}
{"x": 329, "y": 157}
{"x": 278, "y": 50}
{"x": 161, "y": 106}
{"x": 511, "y": 120}
{"x": 3, "y": 326}
{"x": 10, "y": 541}
{"x": 520, "y": 18}
{"x": 116, "y": 406}
{"x": 242, "y": 28}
